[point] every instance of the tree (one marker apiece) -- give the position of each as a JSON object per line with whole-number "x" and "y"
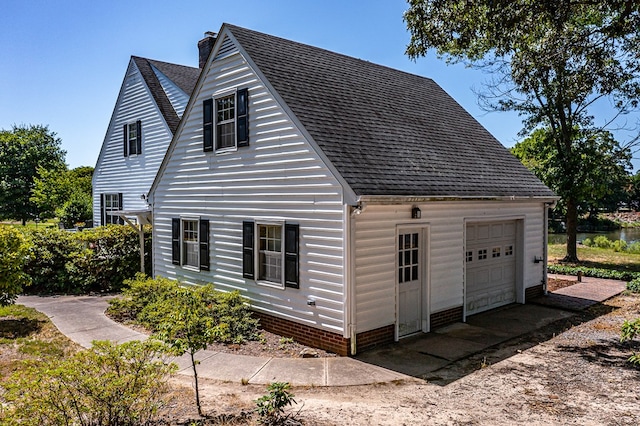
{"x": 188, "y": 325}
{"x": 24, "y": 151}
{"x": 53, "y": 188}
{"x": 633, "y": 192}
{"x": 551, "y": 61}
{"x": 600, "y": 182}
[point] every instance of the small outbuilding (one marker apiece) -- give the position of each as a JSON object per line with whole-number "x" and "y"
{"x": 351, "y": 203}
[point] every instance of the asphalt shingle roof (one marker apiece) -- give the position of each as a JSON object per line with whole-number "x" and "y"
{"x": 184, "y": 77}
{"x": 387, "y": 132}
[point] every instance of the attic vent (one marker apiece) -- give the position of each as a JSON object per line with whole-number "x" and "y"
{"x": 226, "y": 49}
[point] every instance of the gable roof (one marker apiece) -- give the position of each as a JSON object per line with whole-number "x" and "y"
{"x": 387, "y": 132}
{"x": 184, "y": 77}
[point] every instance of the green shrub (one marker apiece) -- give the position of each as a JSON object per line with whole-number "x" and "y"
{"x": 97, "y": 259}
{"x": 634, "y": 285}
{"x": 634, "y": 247}
{"x": 587, "y": 242}
{"x": 139, "y": 298}
{"x": 592, "y": 272}
{"x": 630, "y": 329}
{"x": 271, "y": 407}
{"x": 150, "y": 301}
{"x": 50, "y": 250}
{"x": 106, "y": 385}
{"x": 619, "y": 246}
{"x": 14, "y": 251}
{"x": 233, "y": 318}
{"x": 602, "y": 242}
{"x": 77, "y": 209}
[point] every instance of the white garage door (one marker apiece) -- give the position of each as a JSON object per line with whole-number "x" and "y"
{"x": 490, "y": 265}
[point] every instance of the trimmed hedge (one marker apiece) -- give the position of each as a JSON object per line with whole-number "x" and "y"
{"x": 98, "y": 259}
{"x": 611, "y": 274}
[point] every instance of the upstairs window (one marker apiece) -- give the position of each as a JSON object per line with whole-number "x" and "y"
{"x": 225, "y": 121}
{"x": 132, "y": 138}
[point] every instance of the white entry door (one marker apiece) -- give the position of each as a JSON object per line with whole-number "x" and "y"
{"x": 410, "y": 271}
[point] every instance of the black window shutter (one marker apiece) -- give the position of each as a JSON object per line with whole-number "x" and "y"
{"x": 242, "y": 117}
{"x": 248, "y": 242}
{"x": 175, "y": 241}
{"x": 125, "y": 135}
{"x": 291, "y": 255}
{"x": 120, "y": 207}
{"x": 102, "y": 211}
{"x": 207, "y": 125}
{"x": 138, "y": 137}
{"x": 203, "y": 233}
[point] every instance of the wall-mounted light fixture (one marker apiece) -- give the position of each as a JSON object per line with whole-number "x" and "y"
{"x": 416, "y": 213}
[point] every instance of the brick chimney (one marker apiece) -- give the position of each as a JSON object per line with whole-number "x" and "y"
{"x": 204, "y": 47}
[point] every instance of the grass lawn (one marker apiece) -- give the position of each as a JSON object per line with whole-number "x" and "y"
{"x": 598, "y": 258}
{"x": 26, "y": 334}
{"x": 49, "y": 223}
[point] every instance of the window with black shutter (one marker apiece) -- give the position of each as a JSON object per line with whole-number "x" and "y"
{"x": 242, "y": 117}
{"x": 109, "y": 204}
{"x": 248, "y": 242}
{"x": 291, "y": 255}
{"x": 175, "y": 241}
{"x": 207, "y": 125}
{"x": 270, "y": 253}
{"x": 132, "y": 138}
{"x": 190, "y": 243}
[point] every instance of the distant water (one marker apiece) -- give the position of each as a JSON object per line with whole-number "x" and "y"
{"x": 629, "y": 235}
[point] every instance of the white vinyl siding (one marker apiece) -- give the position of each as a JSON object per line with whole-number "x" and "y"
{"x": 132, "y": 175}
{"x": 176, "y": 96}
{"x": 375, "y": 263}
{"x": 278, "y": 178}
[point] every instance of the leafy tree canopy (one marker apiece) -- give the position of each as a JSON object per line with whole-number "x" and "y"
{"x": 602, "y": 179}
{"x": 24, "y": 150}
{"x": 550, "y": 61}
{"x": 53, "y": 188}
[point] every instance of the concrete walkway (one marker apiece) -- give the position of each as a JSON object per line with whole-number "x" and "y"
{"x": 82, "y": 319}
{"x": 581, "y": 295}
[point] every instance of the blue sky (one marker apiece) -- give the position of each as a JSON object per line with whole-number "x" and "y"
{"x": 63, "y": 61}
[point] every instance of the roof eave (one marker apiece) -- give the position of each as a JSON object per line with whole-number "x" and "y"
{"x": 405, "y": 199}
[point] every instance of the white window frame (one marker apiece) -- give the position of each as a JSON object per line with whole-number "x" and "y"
{"x": 257, "y": 265}
{"x": 183, "y": 250}
{"x": 216, "y": 123}
{"x": 108, "y": 208}
{"x": 134, "y": 126}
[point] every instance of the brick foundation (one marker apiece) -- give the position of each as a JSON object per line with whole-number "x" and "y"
{"x": 443, "y": 318}
{"x": 305, "y": 334}
{"x": 533, "y": 292}
{"x": 372, "y": 338}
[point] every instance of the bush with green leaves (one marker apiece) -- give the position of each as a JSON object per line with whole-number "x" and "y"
{"x": 634, "y": 285}
{"x": 612, "y": 274}
{"x": 271, "y": 407}
{"x": 98, "y": 259}
{"x": 14, "y": 251}
{"x": 50, "y": 251}
{"x": 630, "y": 329}
{"x": 106, "y": 385}
{"x": 77, "y": 209}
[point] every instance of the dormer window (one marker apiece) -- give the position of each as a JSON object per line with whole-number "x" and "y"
{"x": 225, "y": 121}
{"x": 132, "y": 136}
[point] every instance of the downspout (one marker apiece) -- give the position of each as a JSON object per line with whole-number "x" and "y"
{"x": 350, "y": 276}
{"x": 545, "y": 242}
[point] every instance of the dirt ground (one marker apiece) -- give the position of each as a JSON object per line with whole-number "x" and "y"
{"x": 571, "y": 372}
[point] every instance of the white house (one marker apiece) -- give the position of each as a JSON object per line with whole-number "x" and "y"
{"x": 351, "y": 203}
{"x": 150, "y": 104}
